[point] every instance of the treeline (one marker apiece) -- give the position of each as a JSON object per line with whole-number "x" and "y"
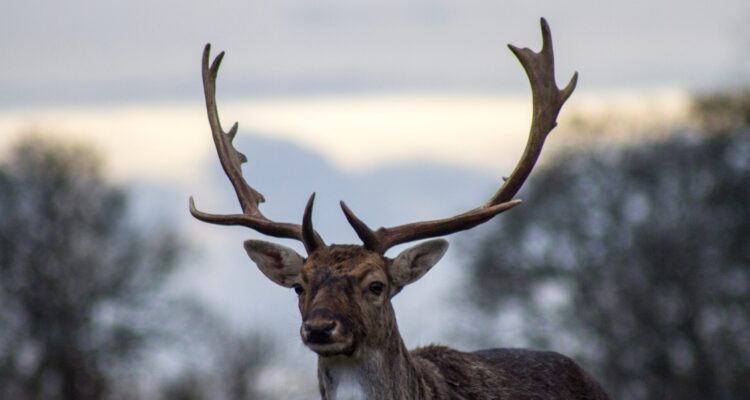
{"x": 636, "y": 260}
{"x": 83, "y": 313}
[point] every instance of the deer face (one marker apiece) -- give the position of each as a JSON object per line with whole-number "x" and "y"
{"x": 345, "y": 291}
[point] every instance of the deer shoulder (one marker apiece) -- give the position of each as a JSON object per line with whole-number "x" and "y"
{"x": 506, "y": 373}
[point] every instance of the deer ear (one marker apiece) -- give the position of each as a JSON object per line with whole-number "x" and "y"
{"x": 412, "y": 263}
{"x": 279, "y": 263}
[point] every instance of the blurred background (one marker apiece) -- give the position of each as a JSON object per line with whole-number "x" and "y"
{"x": 631, "y": 252}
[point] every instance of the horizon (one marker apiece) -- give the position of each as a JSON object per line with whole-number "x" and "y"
{"x": 357, "y": 134}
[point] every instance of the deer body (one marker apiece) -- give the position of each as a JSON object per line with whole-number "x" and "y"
{"x": 441, "y": 373}
{"x": 345, "y": 291}
{"x": 353, "y": 328}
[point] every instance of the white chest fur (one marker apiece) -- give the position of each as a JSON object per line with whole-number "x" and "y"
{"x": 346, "y": 383}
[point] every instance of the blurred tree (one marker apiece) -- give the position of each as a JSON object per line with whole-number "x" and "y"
{"x": 74, "y": 274}
{"x": 229, "y": 371}
{"x": 636, "y": 261}
{"x": 722, "y": 111}
{"x": 225, "y": 363}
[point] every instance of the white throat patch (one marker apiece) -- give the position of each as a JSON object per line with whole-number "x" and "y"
{"x": 346, "y": 383}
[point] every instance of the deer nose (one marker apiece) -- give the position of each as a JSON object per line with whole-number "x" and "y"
{"x": 318, "y": 331}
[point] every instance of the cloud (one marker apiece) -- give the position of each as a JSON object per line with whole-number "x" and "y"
{"x": 82, "y": 50}
{"x": 170, "y": 140}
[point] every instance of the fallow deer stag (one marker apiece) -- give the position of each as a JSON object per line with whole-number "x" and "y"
{"x": 345, "y": 291}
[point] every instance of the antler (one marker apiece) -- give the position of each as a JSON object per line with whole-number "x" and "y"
{"x": 547, "y": 101}
{"x": 231, "y": 161}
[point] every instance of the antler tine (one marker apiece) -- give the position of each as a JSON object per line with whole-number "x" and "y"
{"x": 384, "y": 238}
{"x": 547, "y": 101}
{"x": 310, "y": 238}
{"x": 231, "y": 161}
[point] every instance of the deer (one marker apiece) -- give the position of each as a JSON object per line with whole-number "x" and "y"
{"x": 345, "y": 291}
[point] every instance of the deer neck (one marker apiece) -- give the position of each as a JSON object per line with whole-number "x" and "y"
{"x": 380, "y": 373}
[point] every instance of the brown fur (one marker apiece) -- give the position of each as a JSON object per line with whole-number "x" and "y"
{"x": 336, "y": 284}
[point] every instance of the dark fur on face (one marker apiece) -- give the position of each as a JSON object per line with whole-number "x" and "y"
{"x": 337, "y": 288}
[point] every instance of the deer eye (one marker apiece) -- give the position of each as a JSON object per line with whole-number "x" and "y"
{"x": 298, "y": 289}
{"x": 377, "y": 288}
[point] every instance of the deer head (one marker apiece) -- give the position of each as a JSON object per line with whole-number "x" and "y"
{"x": 345, "y": 291}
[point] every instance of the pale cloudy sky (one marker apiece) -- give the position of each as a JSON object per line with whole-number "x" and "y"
{"x": 364, "y": 82}
{"x": 171, "y": 140}
{"x": 87, "y": 50}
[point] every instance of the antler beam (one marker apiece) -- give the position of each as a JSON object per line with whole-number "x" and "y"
{"x": 547, "y": 101}
{"x": 231, "y": 161}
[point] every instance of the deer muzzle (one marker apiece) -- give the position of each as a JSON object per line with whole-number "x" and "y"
{"x": 326, "y": 336}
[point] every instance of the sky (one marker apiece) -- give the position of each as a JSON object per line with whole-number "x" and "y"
{"x": 366, "y": 83}
{"x": 88, "y": 51}
{"x": 361, "y": 93}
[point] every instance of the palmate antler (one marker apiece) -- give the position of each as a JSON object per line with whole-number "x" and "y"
{"x": 231, "y": 160}
{"x": 547, "y": 102}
